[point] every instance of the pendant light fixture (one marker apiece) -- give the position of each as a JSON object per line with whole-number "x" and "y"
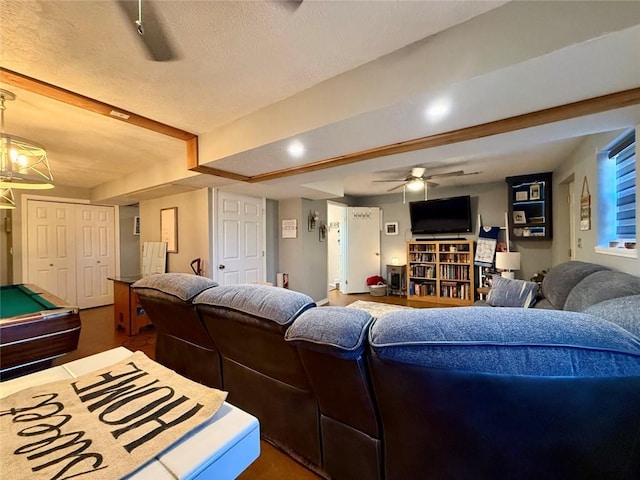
{"x": 7, "y": 201}
{"x": 23, "y": 163}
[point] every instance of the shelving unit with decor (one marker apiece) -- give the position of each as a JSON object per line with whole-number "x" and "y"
{"x": 441, "y": 271}
{"x": 529, "y": 200}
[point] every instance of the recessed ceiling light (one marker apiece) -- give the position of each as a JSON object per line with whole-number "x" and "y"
{"x": 296, "y": 149}
{"x": 438, "y": 110}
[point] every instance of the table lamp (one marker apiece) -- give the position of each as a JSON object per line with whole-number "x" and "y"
{"x": 508, "y": 262}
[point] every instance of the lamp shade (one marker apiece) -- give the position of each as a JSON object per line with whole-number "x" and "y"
{"x": 508, "y": 261}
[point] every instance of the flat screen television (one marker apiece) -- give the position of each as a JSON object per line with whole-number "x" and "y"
{"x": 441, "y": 215}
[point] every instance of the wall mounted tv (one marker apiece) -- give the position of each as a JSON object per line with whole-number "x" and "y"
{"x": 441, "y": 215}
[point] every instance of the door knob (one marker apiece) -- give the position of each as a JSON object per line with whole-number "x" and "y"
{"x": 221, "y": 267}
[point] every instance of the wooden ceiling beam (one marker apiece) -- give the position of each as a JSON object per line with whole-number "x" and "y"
{"x": 71, "y": 98}
{"x": 625, "y": 98}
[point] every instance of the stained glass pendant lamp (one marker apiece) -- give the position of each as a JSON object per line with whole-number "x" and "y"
{"x": 23, "y": 163}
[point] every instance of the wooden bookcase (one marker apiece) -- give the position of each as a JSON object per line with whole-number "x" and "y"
{"x": 441, "y": 271}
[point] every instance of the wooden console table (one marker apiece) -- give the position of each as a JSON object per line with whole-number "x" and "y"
{"x": 128, "y": 315}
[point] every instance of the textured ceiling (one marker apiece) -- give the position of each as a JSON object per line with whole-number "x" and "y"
{"x": 240, "y": 60}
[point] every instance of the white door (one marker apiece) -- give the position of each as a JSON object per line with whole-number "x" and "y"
{"x": 51, "y": 249}
{"x": 361, "y": 240}
{"x": 95, "y": 246}
{"x": 240, "y": 239}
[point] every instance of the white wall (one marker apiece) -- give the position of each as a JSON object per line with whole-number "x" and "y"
{"x": 129, "y": 243}
{"x": 194, "y": 232}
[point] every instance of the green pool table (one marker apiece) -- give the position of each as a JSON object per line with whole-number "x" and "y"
{"x": 35, "y": 328}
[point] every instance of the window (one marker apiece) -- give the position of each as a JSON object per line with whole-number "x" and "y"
{"x": 617, "y": 194}
{"x": 624, "y": 154}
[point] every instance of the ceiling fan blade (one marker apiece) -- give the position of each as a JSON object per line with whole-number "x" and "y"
{"x": 395, "y": 181}
{"x": 154, "y": 38}
{"x": 457, "y": 173}
{"x": 396, "y": 187}
{"x": 291, "y": 5}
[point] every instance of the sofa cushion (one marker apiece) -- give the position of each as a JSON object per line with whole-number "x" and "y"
{"x": 278, "y": 305}
{"x": 512, "y": 341}
{"x": 183, "y": 286}
{"x": 623, "y": 311}
{"x": 506, "y": 292}
{"x": 561, "y": 279}
{"x": 340, "y": 330}
{"x": 601, "y": 286}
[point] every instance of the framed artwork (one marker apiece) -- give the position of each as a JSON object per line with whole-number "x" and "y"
{"x": 522, "y": 196}
{"x": 534, "y": 192}
{"x": 290, "y": 228}
{"x": 585, "y": 206}
{"x": 391, "y": 228}
{"x": 519, "y": 217}
{"x": 169, "y": 228}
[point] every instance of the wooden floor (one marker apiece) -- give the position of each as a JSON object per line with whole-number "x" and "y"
{"x": 98, "y": 334}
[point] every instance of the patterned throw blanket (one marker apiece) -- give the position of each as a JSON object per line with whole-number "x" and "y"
{"x": 376, "y": 309}
{"x": 102, "y": 425}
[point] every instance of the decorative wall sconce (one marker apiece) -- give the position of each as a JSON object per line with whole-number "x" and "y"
{"x": 322, "y": 232}
{"x": 313, "y": 218}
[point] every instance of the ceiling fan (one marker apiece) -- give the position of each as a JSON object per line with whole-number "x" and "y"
{"x": 417, "y": 179}
{"x": 152, "y": 35}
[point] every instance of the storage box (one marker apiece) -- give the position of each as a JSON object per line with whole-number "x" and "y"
{"x": 379, "y": 290}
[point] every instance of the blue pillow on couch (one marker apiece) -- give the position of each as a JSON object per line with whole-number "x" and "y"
{"x": 506, "y": 292}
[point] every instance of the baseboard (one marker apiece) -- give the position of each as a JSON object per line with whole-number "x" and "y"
{"x": 322, "y": 302}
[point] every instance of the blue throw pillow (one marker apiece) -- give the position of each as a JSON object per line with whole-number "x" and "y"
{"x": 506, "y": 292}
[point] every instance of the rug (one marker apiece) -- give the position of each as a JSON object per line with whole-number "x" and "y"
{"x": 102, "y": 425}
{"x": 376, "y": 309}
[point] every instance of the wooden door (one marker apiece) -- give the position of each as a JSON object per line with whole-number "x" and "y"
{"x": 240, "y": 239}
{"x": 51, "y": 252}
{"x": 95, "y": 247}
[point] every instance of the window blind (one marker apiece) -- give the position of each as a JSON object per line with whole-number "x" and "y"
{"x": 625, "y": 158}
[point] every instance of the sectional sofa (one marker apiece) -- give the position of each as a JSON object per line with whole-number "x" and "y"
{"x": 440, "y": 393}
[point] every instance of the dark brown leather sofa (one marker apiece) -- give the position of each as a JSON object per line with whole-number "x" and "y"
{"x": 261, "y": 371}
{"x": 456, "y": 393}
{"x": 182, "y": 342}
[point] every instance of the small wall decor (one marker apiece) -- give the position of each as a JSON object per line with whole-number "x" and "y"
{"x": 169, "y": 228}
{"x": 534, "y": 192}
{"x": 519, "y": 217}
{"x": 290, "y": 228}
{"x": 585, "y": 206}
{"x": 322, "y": 232}
{"x": 522, "y": 196}
{"x": 391, "y": 228}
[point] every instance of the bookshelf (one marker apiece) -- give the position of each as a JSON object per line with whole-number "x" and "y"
{"x": 441, "y": 271}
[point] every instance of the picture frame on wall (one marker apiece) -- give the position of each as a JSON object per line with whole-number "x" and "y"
{"x": 290, "y": 228}
{"x": 391, "y": 228}
{"x": 169, "y": 228}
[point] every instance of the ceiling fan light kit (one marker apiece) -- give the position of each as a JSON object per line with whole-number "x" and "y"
{"x": 23, "y": 162}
